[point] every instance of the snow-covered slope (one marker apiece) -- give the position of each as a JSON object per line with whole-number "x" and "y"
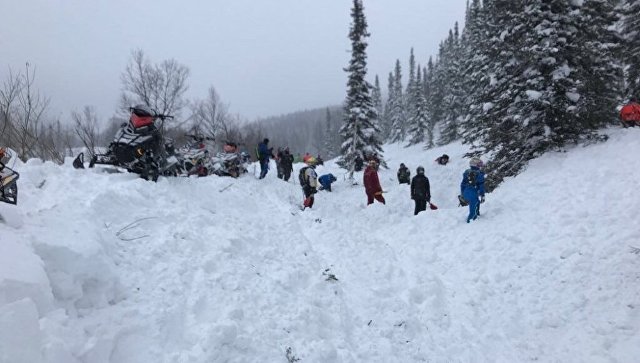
{"x": 98, "y": 267}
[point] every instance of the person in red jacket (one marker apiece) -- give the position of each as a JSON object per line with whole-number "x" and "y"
{"x": 630, "y": 113}
{"x": 372, "y": 183}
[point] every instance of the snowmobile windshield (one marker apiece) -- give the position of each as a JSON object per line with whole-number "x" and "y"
{"x": 141, "y": 121}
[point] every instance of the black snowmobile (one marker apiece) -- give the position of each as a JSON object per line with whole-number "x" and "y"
{"x": 8, "y": 182}
{"x": 139, "y": 146}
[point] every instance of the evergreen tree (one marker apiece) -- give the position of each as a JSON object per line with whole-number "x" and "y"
{"x": 376, "y": 98}
{"x": 386, "y": 124}
{"x": 361, "y": 130}
{"x": 411, "y": 97}
{"x": 598, "y": 63}
{"x": 397, "y": 110}
{"x": 453, "y": 101}
{"x": 631, "y": 31}
{"x": 419, "y": 122}
{"x": 329, "y": 137}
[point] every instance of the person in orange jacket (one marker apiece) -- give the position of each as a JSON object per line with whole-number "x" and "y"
{"x": 372, "y": 183}
{"x": 630, "y": 113}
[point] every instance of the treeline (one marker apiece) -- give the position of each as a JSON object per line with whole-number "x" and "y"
{"x": 522, "y": 78}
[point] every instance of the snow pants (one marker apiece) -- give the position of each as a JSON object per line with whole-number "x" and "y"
{"x": 308, "y": 196}
{"x": 372, "y": 196}
{"x": 264, "y": 168}
{"x": 421, "y": 205}
{"x": 471, "y": 196}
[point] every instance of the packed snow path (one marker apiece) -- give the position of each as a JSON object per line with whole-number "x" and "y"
{"x": 98, "y": 267}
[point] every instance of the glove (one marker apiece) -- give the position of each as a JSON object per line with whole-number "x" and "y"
{"x": 482, "y": 199}
{"x": 314, "y": 190}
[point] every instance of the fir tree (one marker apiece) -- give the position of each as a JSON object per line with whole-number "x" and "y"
{"x": 419, "y": 122}
{"x": 360, "y": 132}
{"x": 410, "y": 93}
{"x": 376, "y": 98}
{"x": 631, "y": 31}
{"x": 386, "y": 124}
{"x": 397, "y": 110}
{"x": 329, "y": 137}
{"x": 598, "y": 63}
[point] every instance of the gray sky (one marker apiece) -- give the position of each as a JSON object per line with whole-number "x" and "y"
{"x": 263, "y": 57}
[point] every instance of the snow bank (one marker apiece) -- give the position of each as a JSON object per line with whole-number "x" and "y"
{"x": 115, "y": 269}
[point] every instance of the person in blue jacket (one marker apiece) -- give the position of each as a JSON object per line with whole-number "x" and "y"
{"x": 264, "y": 153}
{"x": 325, "y": 181}
{"x": 472, "y": 188}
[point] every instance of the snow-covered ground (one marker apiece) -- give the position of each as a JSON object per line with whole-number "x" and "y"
{"x": 98, "y": 267}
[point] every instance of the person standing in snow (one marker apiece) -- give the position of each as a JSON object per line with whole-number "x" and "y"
{"x": 420, "y": 191}
{"x": 630, "y": 113}
{"x": 372, "y": 183}
{"x": 472, "y": 188}
{"x": 404, "y": 174}
{"x": 286, "y": 163}
{"x": 309, "y": 182}
{"x": 279, "y": 154}
{"x": 264, "y": 154}
{"x": 326, "y": 181}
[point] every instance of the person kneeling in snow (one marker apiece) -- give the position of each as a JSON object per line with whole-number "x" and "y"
{"x": 372, "y": 183}
{"x": 472, "y": 188}
{"x": 309, "y": 182}
{"x": 325, "y": 182}
{"x": 630, "y": 113}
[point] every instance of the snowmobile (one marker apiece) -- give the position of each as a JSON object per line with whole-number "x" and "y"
{"x": 8, "y": 181}
{"x": 140, "y": 146}
{"x": 229, "y": 162}
{"x": 194, "y": 157}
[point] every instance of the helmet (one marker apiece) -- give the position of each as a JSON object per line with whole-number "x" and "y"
{"x": 477, "y": 162}
{"x": 420, "y": 170}
{"x": 402, "y": 165}
{"x": 445, "y": 156}
{"x": 266, "y": 141}
{"x": 311, "y": 161}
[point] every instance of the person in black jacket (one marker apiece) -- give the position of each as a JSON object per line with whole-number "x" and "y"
{"x": 404, "y": 175}
{"x": 420, "y": 190}
{"x": 286, "y": 163}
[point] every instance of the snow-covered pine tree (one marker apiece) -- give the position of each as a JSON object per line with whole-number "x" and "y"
{"x": 427, "y": 75}
{"x": 410, "y": 96}
{"x": 542, "y": 114}
{"x": 598, "y": 63}
{"x": 360, "y": 131}
{"x": 376, "y": 98}
{"x": 397, "y": 110}
{"x": 453, "y": 101}
{"x": 386, "y": 124}
{"x": 329, "y": 137}
{"x": 631, "y": 30}
{"x": 419, "y": 121}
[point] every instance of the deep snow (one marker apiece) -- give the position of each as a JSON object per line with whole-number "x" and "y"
{"x": 98, "y": 267}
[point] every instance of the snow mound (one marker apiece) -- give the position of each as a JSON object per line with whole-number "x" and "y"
{"x": 106, "y": 267}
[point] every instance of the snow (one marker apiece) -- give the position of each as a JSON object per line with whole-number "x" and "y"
{"x": 573, "y": 96}
{"x": 533, "y": 94}
{"x": 217, "y": 269}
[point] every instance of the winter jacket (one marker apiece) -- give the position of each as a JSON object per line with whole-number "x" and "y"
{"x": 263, "y": 152}
{"x": 404, "y": 175}
{"x": 371, "y": 181}
{"x": 420, "y": 189}
{"x": 477, "y": 189}
{"x": 326, "y": 180}
{"x": 286, "y": 161}
{"x": 630, "y": 112}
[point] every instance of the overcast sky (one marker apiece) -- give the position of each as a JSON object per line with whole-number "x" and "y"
{"x": 264, "y": 57}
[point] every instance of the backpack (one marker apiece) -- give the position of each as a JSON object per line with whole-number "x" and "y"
{"x": 302, "y": 177}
